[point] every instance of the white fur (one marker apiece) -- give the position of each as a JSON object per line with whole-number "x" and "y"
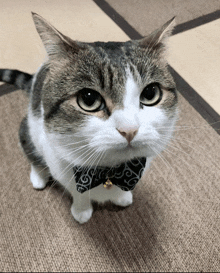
{"x": 62, "y": 171}
{"x": 98, "y": 142}
{"x": 39, "y": 177}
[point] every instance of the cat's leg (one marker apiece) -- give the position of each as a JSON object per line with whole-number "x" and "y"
{"x": 121, "y": 198}
{"x": 39, "y": 171}
{"x": 115, "y": 195}
{"x": 62, "y": 171}
{"x": 59, "y": 169}
{"x": 39, "y": 176}
{"x": 81, "y": 208}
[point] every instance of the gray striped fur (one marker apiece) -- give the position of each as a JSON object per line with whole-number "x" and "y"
{"x": 17, "y": 78}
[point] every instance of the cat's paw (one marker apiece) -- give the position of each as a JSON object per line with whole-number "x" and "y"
{"x": 124, "y": 200}
{"x": 81, "y": 216}
{"x": 38, "y": 177}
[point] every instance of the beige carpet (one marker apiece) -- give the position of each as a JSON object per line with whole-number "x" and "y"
{"x": 173, "y": 224}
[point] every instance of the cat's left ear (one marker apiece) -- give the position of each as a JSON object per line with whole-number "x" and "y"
{"x": 159, "y": 36}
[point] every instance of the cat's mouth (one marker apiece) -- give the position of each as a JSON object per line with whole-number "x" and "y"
{"x": 121, "y": 147}
{"x": 130, "y": 149}
{"x": 134, "y": 145}
{"x": 135, "y": 149}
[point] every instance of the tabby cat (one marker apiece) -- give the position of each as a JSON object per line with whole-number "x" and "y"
{"x": 96, "y": 113}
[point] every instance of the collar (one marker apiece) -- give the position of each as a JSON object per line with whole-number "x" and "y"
{"x": 125, "y": 175}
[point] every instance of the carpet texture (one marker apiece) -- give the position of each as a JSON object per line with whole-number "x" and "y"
{"x": 173, "y": 224}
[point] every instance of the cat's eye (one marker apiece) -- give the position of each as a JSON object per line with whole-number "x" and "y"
{"x": 151, "y": 95}
{"x": 90, "y": 100}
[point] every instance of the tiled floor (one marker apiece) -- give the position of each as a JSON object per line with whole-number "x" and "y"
{"x": 195, "y": 55}
{"x": 22, "y": 48}
{"x": 173, "y": 224}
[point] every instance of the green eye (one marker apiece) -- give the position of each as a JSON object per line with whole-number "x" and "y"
{"x": 90, "y": 100}
{"x": 151, "y": 95}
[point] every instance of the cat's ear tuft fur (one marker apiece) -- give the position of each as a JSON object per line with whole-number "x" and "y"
{"x": 56, "y": 44}
{"x": 159, "y": 36}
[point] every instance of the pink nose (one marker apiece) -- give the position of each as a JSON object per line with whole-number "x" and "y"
{"x": 129, "y": 135}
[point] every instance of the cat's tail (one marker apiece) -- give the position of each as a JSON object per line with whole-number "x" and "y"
{"x": 18, "y": 78}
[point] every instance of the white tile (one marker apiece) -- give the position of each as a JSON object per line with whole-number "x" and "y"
{"x": 20, "y": 45}
{"x": 195, "y": 55}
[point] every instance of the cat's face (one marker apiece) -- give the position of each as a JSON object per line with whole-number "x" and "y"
{"x": 105, "y": 103}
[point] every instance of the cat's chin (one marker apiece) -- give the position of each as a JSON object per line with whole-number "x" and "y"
{"x": 120, "y": 155}
{"x": 126, "y": 153}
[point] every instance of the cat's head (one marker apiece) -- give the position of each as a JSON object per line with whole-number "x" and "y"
{"x": 105, "y": 103}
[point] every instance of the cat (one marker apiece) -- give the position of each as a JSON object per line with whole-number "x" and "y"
{"x": 95, "y": 106}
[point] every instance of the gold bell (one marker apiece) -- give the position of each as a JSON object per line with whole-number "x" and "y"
{"x": 108, "y": 184}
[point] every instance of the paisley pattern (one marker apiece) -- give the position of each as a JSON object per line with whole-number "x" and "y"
{"x": 125, "y": 175}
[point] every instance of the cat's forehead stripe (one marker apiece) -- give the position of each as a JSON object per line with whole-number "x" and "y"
{"x": 122, "y": 88}
{"x": 112, "y": 75}
{"x": 112, "y": 83}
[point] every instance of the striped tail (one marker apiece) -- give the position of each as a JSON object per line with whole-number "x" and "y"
{"x": 18, "y": 78}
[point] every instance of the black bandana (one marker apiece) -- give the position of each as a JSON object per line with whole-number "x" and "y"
{"x": 125, "y": 175}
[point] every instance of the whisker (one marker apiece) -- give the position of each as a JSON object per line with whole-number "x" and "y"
{"x": 169, "y": 152}
{"x": 89, "y": 151}
{"x": 101, "y": 153}
{"x": 186, "y": 144}
{"x": 182, "y": 140}
{"x": 158, "y": 154}
{"x": 76, "y": 150}
{"x": 167, "y": 163}
{"x": 94, "y": 156}
{"x": 71, "y": 144}
{"x": 171, "y": 145}
{"x": 186, "y": 127}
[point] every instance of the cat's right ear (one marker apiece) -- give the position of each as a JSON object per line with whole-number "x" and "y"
{"x": 158, "y": 38}
{"x": 56, "y": 44}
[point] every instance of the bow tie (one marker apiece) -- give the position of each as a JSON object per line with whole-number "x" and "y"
{"x": 125, "y": 175}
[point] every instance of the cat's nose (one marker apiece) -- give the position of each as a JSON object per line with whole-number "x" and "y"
{"x": 128, "y": 134}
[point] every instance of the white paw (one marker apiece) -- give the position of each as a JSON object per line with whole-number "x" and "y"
{"x": 124, "y": 200}
{"x": 81, "y": 216}
{"x": 38, "y": 177}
